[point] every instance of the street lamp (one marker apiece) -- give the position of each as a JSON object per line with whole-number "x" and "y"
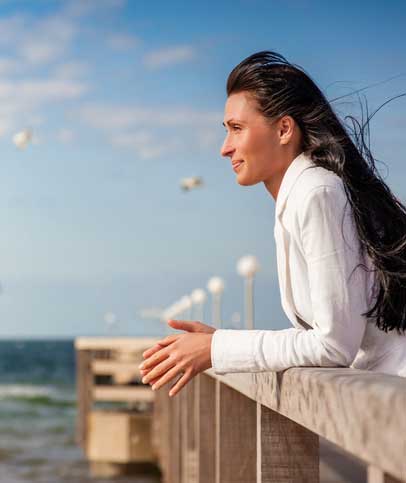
{"x": 110, "y": 318}
{"x": 216, "y": 287}
{"x": 247, "y": 267}
{"x": 185, "y": 304}
{"x": 198, "y": 297}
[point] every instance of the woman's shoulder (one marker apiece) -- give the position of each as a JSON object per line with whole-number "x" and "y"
{"x": 316, "y": 180}
{"x": 316, "y": 192}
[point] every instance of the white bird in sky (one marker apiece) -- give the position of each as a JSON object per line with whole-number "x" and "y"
{"x": 188, "y": 184}
{"x": 22, "y": 138}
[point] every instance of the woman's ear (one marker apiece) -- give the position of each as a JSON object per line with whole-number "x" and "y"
{"x": 286, "y": 126}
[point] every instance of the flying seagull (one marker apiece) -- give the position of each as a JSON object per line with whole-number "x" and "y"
{"x": 22, "y": 138}
{"x": 188, "y": 184}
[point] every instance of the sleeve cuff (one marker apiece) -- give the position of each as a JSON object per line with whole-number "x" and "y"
{"x": 234, "y": 351}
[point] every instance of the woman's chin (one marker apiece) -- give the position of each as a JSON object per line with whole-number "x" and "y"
{"x": 245, "y": 180}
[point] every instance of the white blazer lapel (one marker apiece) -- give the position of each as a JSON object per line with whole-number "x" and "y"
{"x": 282, "y": 251}
{"x": 282, "y": 236}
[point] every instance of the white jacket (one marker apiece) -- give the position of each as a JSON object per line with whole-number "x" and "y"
{"x": 320, "y": 295}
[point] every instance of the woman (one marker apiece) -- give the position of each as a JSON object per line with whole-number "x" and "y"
{"x": 340, "y": 237}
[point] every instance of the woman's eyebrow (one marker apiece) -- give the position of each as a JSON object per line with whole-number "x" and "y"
{"x": 232, "y": 120}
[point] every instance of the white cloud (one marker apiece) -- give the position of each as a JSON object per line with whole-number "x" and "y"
{"x": 65, "y": 135}
{"x": 71, "y": 70}
{"x": 6, "y": 126}
{"x": 145, "y": 144}
{"x": 11, "y": 29}
{"x": 47, "y": 40}
{"x": 112, "y": 117}
{"x": 79, "y": 8}
{"x": 35, "y": 92}
{"x": 153, "y": 133}
{"x": 20, "y": 100}
{"x": 8, "y": 66}
{"x": 122, "y": 41}
{"x": 39, "y": 52}
{"x": 169, "y": 56}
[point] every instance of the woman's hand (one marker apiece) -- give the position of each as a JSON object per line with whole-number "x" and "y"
{"x": 187, "y": 354}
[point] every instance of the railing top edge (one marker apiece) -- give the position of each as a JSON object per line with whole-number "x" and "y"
{"x": 107, "y": 343}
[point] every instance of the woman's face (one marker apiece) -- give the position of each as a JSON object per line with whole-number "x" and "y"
{"x": 253, "y": 142}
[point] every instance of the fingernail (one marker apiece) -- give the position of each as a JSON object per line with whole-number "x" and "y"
{"x": 144, "y": 379}
{"x": 141, "y": 366}
{"x": 153, "y": 387}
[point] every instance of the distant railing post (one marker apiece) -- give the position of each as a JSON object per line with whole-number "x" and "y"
{"x": 288, "y": 451}
{"x": 238, "y": 437}
{"x": 191, "y": 467}
{"x": 188, "y": 430}
{"x": 205, "y": 431}
{"x": 84, "y": 385}
{"x": 162, "y": 434}
{"x": 175, "y": 458}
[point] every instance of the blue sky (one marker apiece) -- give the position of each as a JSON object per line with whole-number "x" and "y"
{"x": 126, "y": 98}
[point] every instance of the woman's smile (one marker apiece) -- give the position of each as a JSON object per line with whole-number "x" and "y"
{"x": 237, "y": 165}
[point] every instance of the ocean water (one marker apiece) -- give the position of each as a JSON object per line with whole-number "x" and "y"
{"x": 37, "y": 415}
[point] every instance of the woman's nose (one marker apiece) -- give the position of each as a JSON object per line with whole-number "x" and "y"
{"x": 226, "y": 148}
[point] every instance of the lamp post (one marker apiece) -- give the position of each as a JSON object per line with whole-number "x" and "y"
{"x": 171, "y": 313}
{"x": 247, "y": 267}
{"x": 198, "y": 297}
{"x": 185, "y": 304}
{"x": 110, "y": 318}
{"x": 216, "y": 287}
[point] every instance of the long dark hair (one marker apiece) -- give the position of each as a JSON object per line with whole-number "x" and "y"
{"x": 282, "y": 88}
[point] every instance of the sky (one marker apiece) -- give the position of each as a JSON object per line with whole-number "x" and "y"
{"x": 125, "y": 98}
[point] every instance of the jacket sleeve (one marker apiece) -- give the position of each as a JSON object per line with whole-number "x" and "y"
{"x": 338, "y": 292}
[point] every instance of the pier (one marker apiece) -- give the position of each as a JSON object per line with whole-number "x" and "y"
{"x": 114, "y": 413}
{"x": 261, "y": 427}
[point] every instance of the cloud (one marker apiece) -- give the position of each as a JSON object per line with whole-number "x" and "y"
{"x": 65, "y": 136}
{"x": 71, "y": 70}
{"x": 122, "y": 41}
{"x": 145, "y": 144}
{"x": 47, "y": 41}
{"x": 111, "y": 117}
{"x": 11, "y": 29}
{"x": 169, "y": 56}
{"x": 20, "y": 100}
{"x": 8, "y": 66}
{"x": 35, "y": 92}
{"x": 80, "y": 8}
{"x": 155, "y": 132}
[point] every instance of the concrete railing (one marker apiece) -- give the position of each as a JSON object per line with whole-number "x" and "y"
{"x": 265, "y": 427}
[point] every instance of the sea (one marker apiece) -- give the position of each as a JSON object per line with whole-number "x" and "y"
{"x": 37, "y": 415}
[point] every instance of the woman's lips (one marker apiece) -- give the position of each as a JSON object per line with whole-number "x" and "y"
{"x": 237, "y": 165}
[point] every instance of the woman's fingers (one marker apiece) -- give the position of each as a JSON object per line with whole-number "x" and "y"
{"x": 155, "y": 359}
{"x": 187, "y": 376}
{"x": 159, "y": 345}
{"x": 168, "y": 376}
{"x": 158, "y": 370}
{"x": 152, "y": 350}
{"x": 190, "y": 326}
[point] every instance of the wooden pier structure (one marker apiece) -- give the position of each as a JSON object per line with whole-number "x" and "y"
{"x": 274, "y": 427}
{"x": 116, "y": 440}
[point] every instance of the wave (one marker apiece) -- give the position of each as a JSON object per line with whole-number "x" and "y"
{"x": 37, "y": 395}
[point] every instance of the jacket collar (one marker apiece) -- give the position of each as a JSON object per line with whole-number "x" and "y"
{"x": 295, "y": 169}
